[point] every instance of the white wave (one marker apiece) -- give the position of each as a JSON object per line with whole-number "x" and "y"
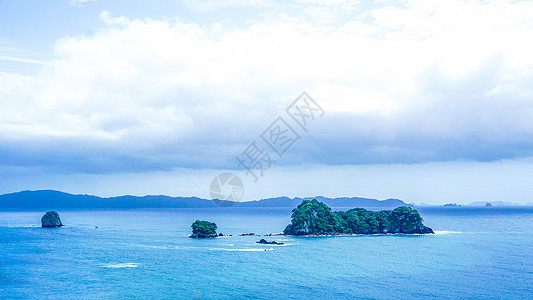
{"x": 242, "y": 250}
{"x": 122, "y": 265}
{"x": 446, "y": 232}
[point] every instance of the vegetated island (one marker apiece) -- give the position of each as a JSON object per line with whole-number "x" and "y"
{"x": 312, "y": 217}
{"x": 204, "y": 229}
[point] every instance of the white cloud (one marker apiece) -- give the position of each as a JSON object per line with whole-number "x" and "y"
{"x": 211, "y": 5}
{"x": 80, "y": 3}
{"x": 21, "y": 59}
{"x": 13, "y": 54}
{"x": 327, "y": 9}
{"x": 427, "y": 80}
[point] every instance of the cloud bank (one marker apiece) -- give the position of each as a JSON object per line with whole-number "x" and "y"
{"x": 417, "y": 82}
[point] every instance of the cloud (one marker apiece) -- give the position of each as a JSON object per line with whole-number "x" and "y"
{"x": 212, "y": 5}
{"x": 80, "y": 3}
{"x": 21, "y": 59}
{"x": 424, "y": 81}
{"x": 14, "y": 54}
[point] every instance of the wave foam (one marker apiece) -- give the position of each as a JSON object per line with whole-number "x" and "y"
{"x": 446, "y": 232}
{"x": 241, "y": 250}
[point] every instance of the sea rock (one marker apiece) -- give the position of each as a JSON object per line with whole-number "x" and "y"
{"x": 415, "y": 230}
{"x": 51, "y": 219}
{"x": 263, "y": 241}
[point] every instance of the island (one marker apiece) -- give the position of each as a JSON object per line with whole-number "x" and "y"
{"x": 263, "y": 241}
{"x": 312, "y": 217}
{"x": 51, "y": 219}
{"x": 204, "y": 229}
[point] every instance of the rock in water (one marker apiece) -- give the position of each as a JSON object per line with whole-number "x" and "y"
{"x": 51, "y": 219}
{"x": 263, "y": 241}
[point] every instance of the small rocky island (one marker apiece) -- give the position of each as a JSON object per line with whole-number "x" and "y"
{"x": 204, "y": 229}
{"x": 51, "y": 219}
{"x": 312, "y": 217}
{"x": 263, "y": 241}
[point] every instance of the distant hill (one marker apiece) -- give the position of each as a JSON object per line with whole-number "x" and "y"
{"x": 343, "y": 202}
{"x": 55, "y": 199}
{"x": 50, "y": 199}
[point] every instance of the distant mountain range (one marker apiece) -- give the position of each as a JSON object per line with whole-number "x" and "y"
{"x": 50, "y": 199}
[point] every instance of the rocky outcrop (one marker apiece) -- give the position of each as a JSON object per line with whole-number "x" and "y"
{"x": 414, "y": 230}
{"x": 51, "y": 219}
{"x": 263, "y": 241}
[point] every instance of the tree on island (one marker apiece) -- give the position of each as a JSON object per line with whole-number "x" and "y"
{"x": 204, "y": 229}
{"x": 405, "y": 219}
{"x": 312, "y": 217}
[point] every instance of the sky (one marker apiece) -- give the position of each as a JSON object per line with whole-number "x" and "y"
{"x": 425, "y": 101}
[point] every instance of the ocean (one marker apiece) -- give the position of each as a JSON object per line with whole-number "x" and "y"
{"x": 482, "y": 253}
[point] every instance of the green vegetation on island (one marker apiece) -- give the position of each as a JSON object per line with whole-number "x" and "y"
{"x": 312, "y": 217}
{"x": 204, "y": 229}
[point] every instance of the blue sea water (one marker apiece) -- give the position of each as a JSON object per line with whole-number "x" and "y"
{"x": 476, "y": 254}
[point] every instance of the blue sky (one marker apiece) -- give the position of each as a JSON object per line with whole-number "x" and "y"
{"x": 428, "y": 101}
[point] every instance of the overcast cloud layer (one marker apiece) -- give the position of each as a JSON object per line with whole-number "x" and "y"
{"x": 400, "y": 82}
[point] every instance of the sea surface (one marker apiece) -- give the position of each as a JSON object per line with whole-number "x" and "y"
{"x": 483, "y": 253}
